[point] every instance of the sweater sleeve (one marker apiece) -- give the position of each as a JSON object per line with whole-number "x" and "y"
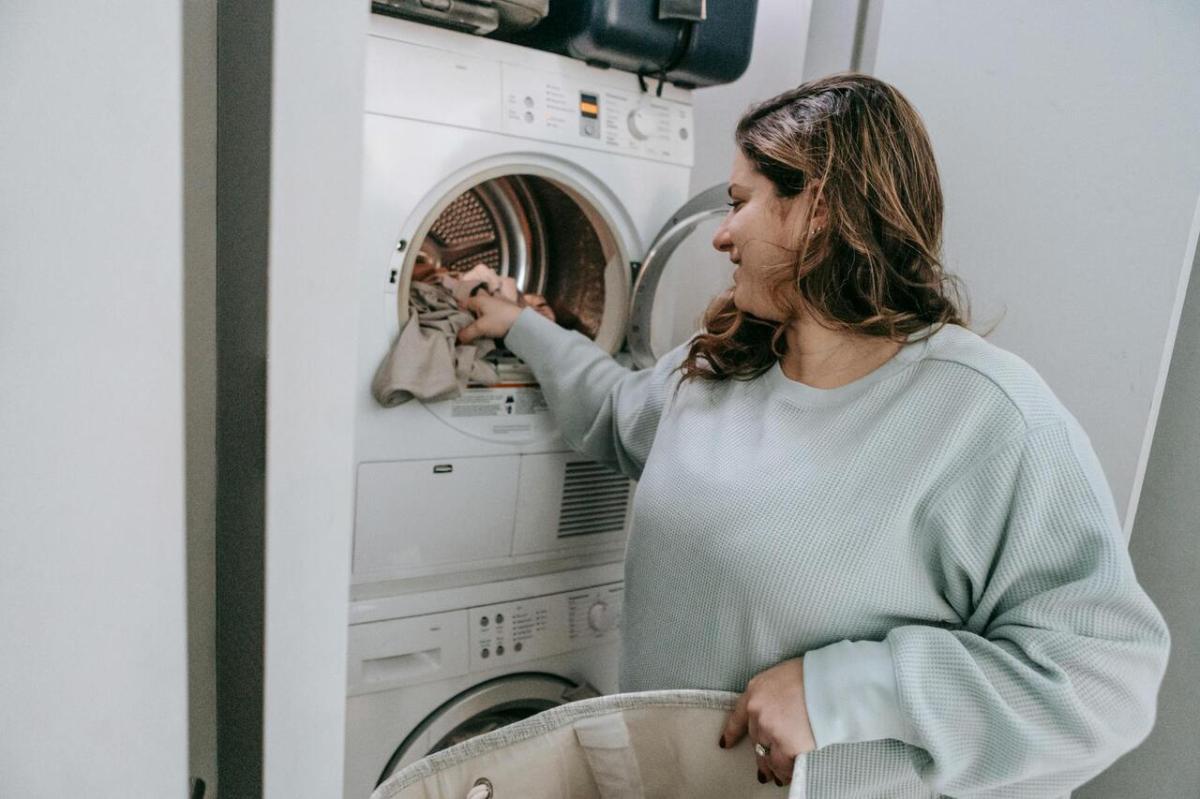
{"x": 1054, "y": 670}
{"x": 606, "y": 411}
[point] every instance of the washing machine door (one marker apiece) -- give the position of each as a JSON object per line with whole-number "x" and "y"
{"x": 483, "y": 708}
{"x": 679, "y": 276}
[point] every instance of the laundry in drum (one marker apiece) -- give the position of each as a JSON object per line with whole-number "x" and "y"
{"x": 426, "y": 361}
{"x": 528, "y": 239}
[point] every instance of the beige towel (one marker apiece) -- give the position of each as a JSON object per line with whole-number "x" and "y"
{"x": 426, "y": 361}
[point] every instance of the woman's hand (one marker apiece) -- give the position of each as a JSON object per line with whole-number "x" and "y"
{"x": 773, "y": 711}
{"x": 494, "y": 317}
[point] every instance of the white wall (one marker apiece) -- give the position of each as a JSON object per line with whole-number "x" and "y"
{"x": 776, "y": 64}
{"x": 696, "y": 272}
{"x": 1066, "y": 136}
{"x": 92, "y": 616}
{"x": 290, "y": 84}
{"x": 316, "y": 168}
{"x": 835, "y": 37}
{"x": 1165, "y": 548}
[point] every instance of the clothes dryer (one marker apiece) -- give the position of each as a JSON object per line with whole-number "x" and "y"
{"x": 430, "y": 669}
{"x": 568, "y": 178}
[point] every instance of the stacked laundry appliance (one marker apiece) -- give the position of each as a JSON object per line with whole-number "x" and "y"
{"x": 486, "y": 568}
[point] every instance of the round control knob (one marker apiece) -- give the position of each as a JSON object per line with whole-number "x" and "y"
{"x": 639, "y": 124}
{"x": 599, "y": 617}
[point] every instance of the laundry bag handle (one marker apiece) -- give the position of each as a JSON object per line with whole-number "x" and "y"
{"x": 482, "y": 789}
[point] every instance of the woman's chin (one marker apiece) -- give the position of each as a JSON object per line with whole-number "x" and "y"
{"x": 748, "y": 305}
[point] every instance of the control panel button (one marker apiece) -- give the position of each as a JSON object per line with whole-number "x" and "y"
{"x": 639, "y": 124}
{"x": 483, "y": 621}
{"x": 499, "y": 650}
{"x": 485, "y": 653}
{"x": 499, "y": 618}
{"x": 599, "y": 617}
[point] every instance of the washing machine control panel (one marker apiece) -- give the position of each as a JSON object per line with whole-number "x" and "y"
{"x": 527, "y": 629}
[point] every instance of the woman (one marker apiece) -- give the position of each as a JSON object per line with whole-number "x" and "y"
{"x": 884, "y": 532}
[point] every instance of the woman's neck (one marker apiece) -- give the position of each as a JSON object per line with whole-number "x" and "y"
{"x": 824, "y": 358}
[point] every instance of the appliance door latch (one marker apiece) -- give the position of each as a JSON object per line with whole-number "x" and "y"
{"x": 690, "y": 10}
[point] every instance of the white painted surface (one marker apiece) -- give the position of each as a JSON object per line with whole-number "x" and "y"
{"x": 93, "y": 680}
{"x": 1066, "y": 136}
{"x": 316, "y": 144}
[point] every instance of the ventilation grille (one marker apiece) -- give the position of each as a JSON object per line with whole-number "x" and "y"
{"x": 594, "y": 500}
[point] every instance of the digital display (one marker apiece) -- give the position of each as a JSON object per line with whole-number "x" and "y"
{"x": 589, "y": 105}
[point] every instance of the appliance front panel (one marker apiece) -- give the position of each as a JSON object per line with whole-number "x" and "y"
{"x": 561, "y": 101}
{"x": 631, "y": 196}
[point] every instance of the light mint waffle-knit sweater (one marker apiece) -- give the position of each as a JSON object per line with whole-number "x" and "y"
{"x": 936, "y": 539}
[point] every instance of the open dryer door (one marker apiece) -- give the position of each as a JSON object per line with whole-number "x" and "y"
{"x": 680, "y": 275}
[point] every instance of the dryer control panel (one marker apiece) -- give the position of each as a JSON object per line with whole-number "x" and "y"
{"x": 563, "y": 108}
{"x": 527, "y": 629}
{"x": 519, "y": 92}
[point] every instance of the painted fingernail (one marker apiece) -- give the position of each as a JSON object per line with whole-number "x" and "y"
{"x": 762, "y": 777}
{"x": 777, "y": 782}
{"x": 721, "y": 743}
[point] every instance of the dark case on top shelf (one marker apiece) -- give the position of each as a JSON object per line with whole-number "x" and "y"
{"x": 687, "y": 42}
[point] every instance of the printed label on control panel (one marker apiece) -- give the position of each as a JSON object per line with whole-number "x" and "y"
{"x": 500, "y": 402}
{"x": 501, "y": 412}
{"x": 513, "y": 632}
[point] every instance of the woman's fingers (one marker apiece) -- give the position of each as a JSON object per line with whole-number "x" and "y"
{"x": 465, "y": 290}
{"x": 735, "y": 724}
{"x": 781, "y": 766}
{"x": 469, "y": 333}
{"x": 493, "y": 317}
{"x": 508, "y": 289}
{"x": 766, "y": 769}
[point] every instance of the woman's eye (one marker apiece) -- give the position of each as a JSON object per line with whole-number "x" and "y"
{"x": 734, "y": 203}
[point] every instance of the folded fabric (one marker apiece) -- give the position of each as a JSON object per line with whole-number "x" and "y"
{"x": 426, "y": 361}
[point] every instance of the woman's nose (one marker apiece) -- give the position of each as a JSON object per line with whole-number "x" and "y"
{"x": 721, "y": 239}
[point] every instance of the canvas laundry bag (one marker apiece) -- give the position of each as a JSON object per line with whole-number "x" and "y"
{"x": 652, "y": 745}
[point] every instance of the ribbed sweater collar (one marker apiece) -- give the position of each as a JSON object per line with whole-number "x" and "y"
{"x": 803, "y": 394}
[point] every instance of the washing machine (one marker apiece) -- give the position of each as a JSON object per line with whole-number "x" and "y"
{"x": 486, "y": 561}
{"x": 430, "y": 669}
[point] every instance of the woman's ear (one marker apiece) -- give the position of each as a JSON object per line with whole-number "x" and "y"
{"x": 820, "y": 209}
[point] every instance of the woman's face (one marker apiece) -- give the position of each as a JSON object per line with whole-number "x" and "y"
{"x": 761, "y": 234}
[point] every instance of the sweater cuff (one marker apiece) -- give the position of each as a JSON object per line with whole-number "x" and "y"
{"x": 527, "y": 338}
{"x": 850, "y": 692}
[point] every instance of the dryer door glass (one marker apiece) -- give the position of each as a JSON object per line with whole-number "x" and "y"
{"x": 679, "y": 276}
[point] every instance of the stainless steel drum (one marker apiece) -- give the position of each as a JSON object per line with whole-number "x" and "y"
{"x": 533, "y": 230}
{"x": 496, "y": 223}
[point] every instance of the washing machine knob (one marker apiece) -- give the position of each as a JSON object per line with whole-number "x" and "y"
{"x": 639, "y": 124}
{"x": 599, "y": 618}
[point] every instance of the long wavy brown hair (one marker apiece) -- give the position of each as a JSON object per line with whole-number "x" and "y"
{"x": 874, "y": 268}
